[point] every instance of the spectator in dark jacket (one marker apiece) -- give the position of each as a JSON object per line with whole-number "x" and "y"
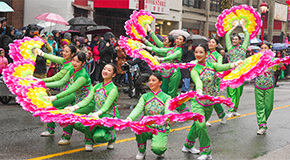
{"x": 225, "y": 56}
{"x": 187, "y": 56}
{"x": 145, "y": 74}
{"x": 107, "y": 51}
{"x": 6, "y": 40}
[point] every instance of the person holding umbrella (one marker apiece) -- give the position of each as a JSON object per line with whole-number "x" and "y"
{"x": 236, "y": 52}
{"x": 171, "y": 77}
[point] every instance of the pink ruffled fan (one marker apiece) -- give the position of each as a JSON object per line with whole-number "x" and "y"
{"x": 253, "y": 66}
{"x": 229, "y": 17}
{"x": 177, "y": 101}
{"x": 135, "y": 27}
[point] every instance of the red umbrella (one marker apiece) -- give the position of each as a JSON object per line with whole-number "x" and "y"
{"x": 52, "y": 17}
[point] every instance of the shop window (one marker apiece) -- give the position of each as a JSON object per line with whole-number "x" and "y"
{"x": 200, "y": 4}
{"x": 215, "y": 5}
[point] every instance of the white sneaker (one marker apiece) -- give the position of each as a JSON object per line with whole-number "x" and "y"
{"x": 140, "y": 156}
{"x": 230, "y": 114}
{"x": 224, "y": 119}
{"x": 205, "y": 157}
{"x": 89, "y": 148}
{"x": 261, "y": 131}
{"x": 236, "y": 114}
{"x": 208, "y": 124}
{"x": 111, "y": 145}
{"x": 191, "y": 150}
{"x": 160, "y": 156}
{"x": 63, "y": 142}
{"x": 46, "y": 134}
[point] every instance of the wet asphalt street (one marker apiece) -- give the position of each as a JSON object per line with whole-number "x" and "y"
{"x": 237, "y": 139}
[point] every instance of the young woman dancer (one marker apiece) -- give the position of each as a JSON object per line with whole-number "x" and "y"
{"x": 205, "y": 78}
{"x": 214, "y": 57}
{"x": 103, "y": 97}
{"x": 79, "y": 87}
{"x": 171, "y": 77}
{"x": 236, "y": 52}
{"x": 264, "y": 96}
{"x": 152, "y": 103}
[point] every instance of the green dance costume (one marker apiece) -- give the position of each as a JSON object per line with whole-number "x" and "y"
{"x": 153, "y": 104}
{"x": 236, "y": 53}
{"x": 102, "y": 97}
{"x": 264, "y": 96}
{"x": 79, "y": 83}
{"x": 205, "y": 78}
{"x": 171, "y": 77}
{"x": 215, "y": 57}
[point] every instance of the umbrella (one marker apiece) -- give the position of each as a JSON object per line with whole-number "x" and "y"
{"x": 70, "y": 31}
{"x": 45, "y": 24}
{"x": 52, "y": 17}
{"x": 98, "y": 30}
{"x": 178, "y": 33}
{"x": 255, "y": 41}
{"x": 197, "y": 39}
{"x": 5, "y": 7}
{"x": 81, "y": 21}
{"x": 252, "y": 47}
{"x": 279, "y": 46}
{"x": 25, "y": 28}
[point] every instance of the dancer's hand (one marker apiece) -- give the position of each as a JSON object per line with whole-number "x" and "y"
{"x": 147, "y": 27}
{"x": 128, "y": 119}
{"x": 37, "y": 51}
{"x": 52, "y": 98}
{"x": 97, "y": 114}
{"x": 72, "y": 108}
{"x": 192, "y": 62}
{"x": 160, "y": 59}
{"x": 199, "y": 91}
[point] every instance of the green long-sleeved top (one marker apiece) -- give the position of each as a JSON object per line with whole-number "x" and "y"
{"x": 152, "y": 104}
{"x": 214, "y": 57}
{"x": 205, "y": 78}
{"x": 59, "y": 75}
{"x": 237, "y": 52}
{"x": 156, "y": 40}
{"x": 79, "y": 83}
{"x": 105, "y": 97}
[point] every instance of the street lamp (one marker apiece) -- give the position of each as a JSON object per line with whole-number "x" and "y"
{"x": 264, "y": 6}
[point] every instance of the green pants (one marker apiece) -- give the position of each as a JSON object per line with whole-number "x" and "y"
{"x": 219, "y": 110}
{"x": 199, "y": 130}
{"x": 60, "y": 104}
{"x": 68, "y": 130}
{"x": 264, "y": 105}
{"x": 235, "y": 94}
{"x": 170, "y": 87}
{"x": 158, "y": 142}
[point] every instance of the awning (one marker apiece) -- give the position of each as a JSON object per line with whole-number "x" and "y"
{"x": 83, "y": 7}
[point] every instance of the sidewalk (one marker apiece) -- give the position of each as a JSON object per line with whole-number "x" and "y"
{"x": 281, "y": 154}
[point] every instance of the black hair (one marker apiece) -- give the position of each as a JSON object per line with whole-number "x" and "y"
{"x": 72, "y": 49}
{"x": 184, "y": 39}
{"x": 216, "y": 40}
{"x": 269, "y": 45}
{"x": 171, "y": 40}
{"x": 114, "y": 67}
{"x": 237, "y": 35}
{"x": 203, "y": 46}
{"x": 81, "y": 56}
{"x": 157, "y": 75}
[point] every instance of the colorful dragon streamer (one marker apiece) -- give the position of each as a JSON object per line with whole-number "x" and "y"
{"x": 229, "y": 17}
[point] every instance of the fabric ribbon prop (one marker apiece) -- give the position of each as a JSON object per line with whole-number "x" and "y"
{"x": 229, "y": 17}
{"x": 135, "y": 27}
{"x": 252, "y": 67}
{"x": 31, "y": 94}
{"x": 182, "y": 98}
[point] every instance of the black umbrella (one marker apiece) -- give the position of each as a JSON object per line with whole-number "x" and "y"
{"x": 98, "y": 30}
{"x": 81, "y": 21}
